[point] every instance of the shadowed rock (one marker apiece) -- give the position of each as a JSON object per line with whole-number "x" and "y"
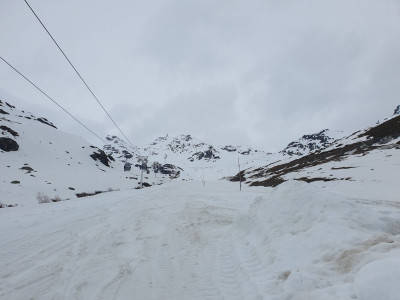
{"x": 7, "y": 144}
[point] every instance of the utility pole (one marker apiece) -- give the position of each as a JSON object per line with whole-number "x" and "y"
{"x": 240, "y": 175}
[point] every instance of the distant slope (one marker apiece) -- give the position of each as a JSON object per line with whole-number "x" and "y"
{"x": 371, "y": 155}
{"x": 190, "y": 156}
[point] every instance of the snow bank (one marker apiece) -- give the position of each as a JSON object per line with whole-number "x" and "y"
{"x": 379, "y": 280}
{"x": 313, "y": 241}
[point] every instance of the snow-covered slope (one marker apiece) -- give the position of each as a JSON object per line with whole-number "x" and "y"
{"x": 328, "y": 229}
{"x": 371, "y": 156}
{"x": 190, "y": 156}
{"x": 37, "y": 157}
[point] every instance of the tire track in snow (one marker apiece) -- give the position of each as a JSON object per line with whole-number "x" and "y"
{"x": 153, "y": 246}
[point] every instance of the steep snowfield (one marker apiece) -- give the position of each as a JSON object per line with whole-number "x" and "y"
{"x": 50, "y": 161}
{"x": 184, "y": 240}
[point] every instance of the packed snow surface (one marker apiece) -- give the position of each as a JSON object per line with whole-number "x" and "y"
{"x": 184, "y": 240}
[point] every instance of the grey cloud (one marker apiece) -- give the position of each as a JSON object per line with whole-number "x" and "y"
{"x": 262, "y": 72}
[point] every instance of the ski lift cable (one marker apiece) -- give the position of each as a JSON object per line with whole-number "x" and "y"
{"x": 50, "y": 98}
{"x": 84, "y": 82}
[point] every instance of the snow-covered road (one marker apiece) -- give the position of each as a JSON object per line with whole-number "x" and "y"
{"x": 186, "y": 241}
{"x": 149, "y": 244}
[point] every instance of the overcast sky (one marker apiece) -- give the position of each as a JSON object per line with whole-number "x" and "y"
{"x": 260, "y": 73}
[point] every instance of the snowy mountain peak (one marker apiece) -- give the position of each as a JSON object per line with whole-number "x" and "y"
{"x": 179, "y": 144}
{"x": 312, "y": 142}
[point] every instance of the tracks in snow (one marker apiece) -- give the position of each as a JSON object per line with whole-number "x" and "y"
{"x": 156, "y": 245}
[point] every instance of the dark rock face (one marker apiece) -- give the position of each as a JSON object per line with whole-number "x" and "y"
{"x": 3, "y": 112}
{"x": 397, "y": 110}
{"x": 45, "y": 121}
{"x": 208, "y": 154}
{"x": 247, "y": 152}
{"x": 309, "y": 142}
{"x": 9, "y": 105}
{"x": 9, "y": 130}
{"x": 101, "y": 156}
{"x": 27, "y": 169}
{"x": 117, "y": 149}
{"x": 167, "y": 169}
{"x": 229, "y": 148}
{"x": 7, "y": 144}
{"x": 387, "y": 130}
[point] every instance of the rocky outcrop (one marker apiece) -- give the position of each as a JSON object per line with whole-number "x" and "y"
{"x": 9, "y": 130}
{"x": 308, "y": 143}
{"x": 229, "y": 148}
{"x": 397, "y": 110}
{"x": 208, "y": 154}
{"x": 102, "y": 157}
{"x": 118, "y": 148}
{"x": 8, "y": 144}
{"x": 387, "y": 130}
{"x": 45, "y": 121}
{"x": 167, "y": 169}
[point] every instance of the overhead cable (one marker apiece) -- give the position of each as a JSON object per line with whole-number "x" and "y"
{"x": 54, "y": 101}
{"x": 84, "y": 82}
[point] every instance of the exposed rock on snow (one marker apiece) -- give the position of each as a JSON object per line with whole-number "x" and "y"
{"x": 45, "y": 121}
{"x": 8, "y": 144}
{"x": 382, "y": 136}
{"x": 118, "y": 148}
{"x": 51, "y": 160}
{"x": 384, "y": 131}
{"x": 9, "y": 130}
{"x": 102, "y": 157}
{"x": 168, "y": 169}
{"x": 229, "y": 148}
{"x": 311, "y": 142}
{"x": 191, "y": 155}
{"x": 397, "y": 110}
{"x": 208, "y": 154}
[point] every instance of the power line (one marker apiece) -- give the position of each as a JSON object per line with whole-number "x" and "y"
{"x": 76, "y": 71}
{"x": 51, "y": 98}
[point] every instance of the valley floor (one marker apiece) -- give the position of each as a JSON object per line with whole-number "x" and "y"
{"x": 184, "y": 240}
